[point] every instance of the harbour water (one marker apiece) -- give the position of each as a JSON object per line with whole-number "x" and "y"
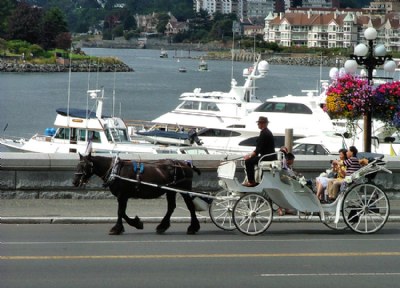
{"x": 28, "y": 100}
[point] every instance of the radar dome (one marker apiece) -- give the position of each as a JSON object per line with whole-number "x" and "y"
{"x": 263, "y": 67}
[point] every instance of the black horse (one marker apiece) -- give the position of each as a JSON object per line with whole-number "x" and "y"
{"x": 116, "y": 175}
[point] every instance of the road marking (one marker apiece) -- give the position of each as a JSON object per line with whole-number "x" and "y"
{"x": 196, "y": 241}
{"x": 330, "y": 274}
{"x": 187, "y": 256}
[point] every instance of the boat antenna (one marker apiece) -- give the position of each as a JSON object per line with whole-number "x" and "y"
{"x": 320, "y": 76}
{"x": 235, "y": 28}
{"x": 69, "y": 83}
{"x": 233, "y": 49}
{"x": 113, "y": 102}
{"x": 87, "y": 97}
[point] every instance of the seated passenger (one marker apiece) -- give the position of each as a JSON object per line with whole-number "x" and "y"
{"x": 287, "y": 166}
{"x": 352, "y": 164}
{"x": 338, "y": 172}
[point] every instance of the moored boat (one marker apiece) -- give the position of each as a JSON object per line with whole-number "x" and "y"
{"x": 81, "y": 130}
{"x": 216, "y": 108}
{"x": 203, "y": 66}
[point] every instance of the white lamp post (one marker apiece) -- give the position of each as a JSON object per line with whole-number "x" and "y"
{"x": 370, "y": 58}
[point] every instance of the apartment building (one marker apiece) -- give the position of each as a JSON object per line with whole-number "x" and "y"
{"x": 213, "y": 6}
{"x": 257, "y": 8}
{"x": 339, "y": 29}
{"x": 384, "y": 6}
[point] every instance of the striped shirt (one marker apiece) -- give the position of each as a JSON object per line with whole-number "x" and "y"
{"x": 352, "y": 165}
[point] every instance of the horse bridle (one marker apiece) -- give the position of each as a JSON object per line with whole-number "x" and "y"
{"x": 85, "y": 175}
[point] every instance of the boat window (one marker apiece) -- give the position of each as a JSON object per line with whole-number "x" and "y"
{"x": 218, "y": 133}
{"x": 209, "y": 106}
{"x": 279, "y": 107}
{"x": 298, "y": 108}
{"x": 62, "y": 133}
{"x": 119, "y": 135}
{"x": 309, "y": 149}
{"x": 252, "y": 141}
{"x": 190, "y": 105}
{"x": 108, "y": 135}
{"x": 81, "y": 135}
{"x": 94, "y": 136}
{"x": 194, "y": 151}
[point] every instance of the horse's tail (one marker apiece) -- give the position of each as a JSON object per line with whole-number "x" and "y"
{"x": 194, "y": 168}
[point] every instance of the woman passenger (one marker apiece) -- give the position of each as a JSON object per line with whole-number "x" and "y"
{"x": 338, "y": 172}
{"x": 352, "y": 165}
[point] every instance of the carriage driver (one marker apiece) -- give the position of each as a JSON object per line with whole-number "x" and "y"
{"x": 265, "y": 145}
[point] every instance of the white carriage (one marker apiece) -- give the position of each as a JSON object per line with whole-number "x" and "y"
{"x": 362, "y": 206}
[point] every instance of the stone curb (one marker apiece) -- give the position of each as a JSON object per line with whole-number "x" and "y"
{"x": 102, "y": 220}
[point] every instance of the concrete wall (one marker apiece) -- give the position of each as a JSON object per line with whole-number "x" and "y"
{"x": 31, "y": 175}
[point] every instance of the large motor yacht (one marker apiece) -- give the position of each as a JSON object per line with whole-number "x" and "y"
{"x": 211, "y": 109}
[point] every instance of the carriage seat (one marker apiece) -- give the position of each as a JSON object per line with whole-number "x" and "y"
{"x": 269, "y": 165}
{"x": 266, "y": 166}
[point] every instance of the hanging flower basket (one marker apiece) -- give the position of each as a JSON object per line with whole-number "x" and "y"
{"x": 386, "y": 103}
{"x": 348, "y": 98}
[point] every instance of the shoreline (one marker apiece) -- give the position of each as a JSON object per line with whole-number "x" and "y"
{"x": 19, "y": 66}
{"x": 243, "y": 56}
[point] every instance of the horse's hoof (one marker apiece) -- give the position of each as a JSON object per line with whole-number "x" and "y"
{"x": 162, "y": 228}
{"x": 116, "y": 230}
{"x": 193, "y": 230}
{"x": 137, "y": 223}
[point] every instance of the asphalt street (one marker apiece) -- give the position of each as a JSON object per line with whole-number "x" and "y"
{"x": 286, "y": 255}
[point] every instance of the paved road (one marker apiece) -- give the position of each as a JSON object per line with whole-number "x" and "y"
{"x": 287, "y": 255}
{"x": 105, "y": 211}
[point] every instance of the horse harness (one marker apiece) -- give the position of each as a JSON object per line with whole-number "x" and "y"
{"x": 138, "y": 169}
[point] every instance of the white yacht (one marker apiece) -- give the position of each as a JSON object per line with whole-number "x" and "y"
{"x": 76, "y": 129}
{"x": 303, "y": 114}
{"x": 212, "y": 109}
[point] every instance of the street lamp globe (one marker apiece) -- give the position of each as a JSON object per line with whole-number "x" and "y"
{"x": 390, "y": 66}
{"x": 361, "y": 50}
{"x": 334, "y": 73}
{"x": 370, "y": 33}
{"x": 350, "y": 66}
{"x": 380, "y": 50}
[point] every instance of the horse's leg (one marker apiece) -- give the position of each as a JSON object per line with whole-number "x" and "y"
{"x": 194, "y": 223}
{"x": 165, "y": 222}
{"x": 135, "y": 222}
{"x": 118, "y": 228}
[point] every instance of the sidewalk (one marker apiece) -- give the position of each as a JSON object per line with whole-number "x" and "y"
{"x": 30, "y": 211}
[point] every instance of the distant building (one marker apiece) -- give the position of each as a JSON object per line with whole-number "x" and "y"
{"x": 174, "y": 27}
{"x": 338, "y": 29}
{"x": 383, "y": 7}
{"x": 251, "y": 30}
{"x": 257, "y": 8}
{"x": 213, "y": 6}
{"x": 147, "y": 23}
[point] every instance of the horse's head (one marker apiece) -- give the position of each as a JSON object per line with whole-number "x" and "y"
{"x": 84, "y": 170}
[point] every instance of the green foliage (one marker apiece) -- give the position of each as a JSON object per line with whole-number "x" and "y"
{"x": 6, "y": 7}
{"x": 24, "y": 23}
{"x": 53, "y": 24}
{"x": 130, "y": 34}
{"x": 17, "y": 46}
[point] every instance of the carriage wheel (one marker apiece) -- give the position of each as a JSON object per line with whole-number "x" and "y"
{"x": 221, "y": 210}
{"x": 252, "y": 214}
{"x": 330, "y": 222}
{"x": 365, "y": 208}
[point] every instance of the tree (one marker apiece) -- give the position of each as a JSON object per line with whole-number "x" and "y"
{"x": 6, "y": 9}
{"x": 53, "y": 24}
{"x": 24, "y": 23}
{"x": 162, "y": 19}
{"x": 63, "y": 40}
